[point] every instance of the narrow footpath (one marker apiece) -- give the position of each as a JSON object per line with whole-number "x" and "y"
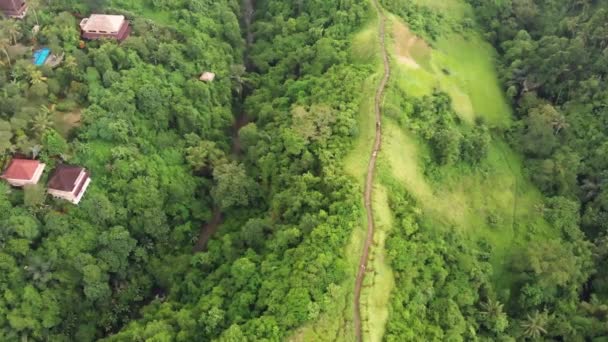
{"x": 371, "y": 169}
{"x": 209, "y": 228}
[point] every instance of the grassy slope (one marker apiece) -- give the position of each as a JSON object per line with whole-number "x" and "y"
{"x": 336, "y": 325}
{"x": 472, "y": 82}
{"x": 379, "y": 280}
{"x": 493, "y": 201}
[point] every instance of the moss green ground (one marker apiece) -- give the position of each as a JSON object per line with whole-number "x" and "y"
{"x": 493, "y": 201}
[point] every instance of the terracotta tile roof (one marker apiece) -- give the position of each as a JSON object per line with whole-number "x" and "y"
{"x": 81, "y": 185}
{"x": 23, "y": 169}
{"x": 64, "y": 178}
{"x": 103, "y": 22}
{"x": 11, "y": 5}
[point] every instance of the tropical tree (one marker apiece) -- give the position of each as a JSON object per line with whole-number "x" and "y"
{"x": 38, "y": 270}
{"x": 237, "y": 71}
{"x": 33, "y": 6}
{"x": 6, "y": 135}
{"x": 233, "y": 186}
{"x": 12, "y": 30}
{"x": 204, "y": 156}
{"x": 35, "y": 151}
{"x": 35, "y": 75}
{"x": 70, "y": 63}
{"x": 494, "y": 317}
{"x": 4, "y": 44}
{"x": 42, "y": 122}
{"x": 535, "y": 325}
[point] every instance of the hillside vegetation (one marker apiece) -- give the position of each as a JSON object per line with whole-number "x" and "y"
{"x": 477, "y": 251}
{"x": 232, "y": 209}
{"x": 160, "y": 148}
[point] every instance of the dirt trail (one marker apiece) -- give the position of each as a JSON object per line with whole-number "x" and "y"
{"x": 371, "y": 168}
{"x": 209, "y": 228}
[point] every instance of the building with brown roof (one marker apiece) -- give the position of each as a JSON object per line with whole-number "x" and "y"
{"x": 99, "y": 26}
{"x": 21, "y": 172}
{"x": 14, "y": 8}
{"x": 69, "y": 183}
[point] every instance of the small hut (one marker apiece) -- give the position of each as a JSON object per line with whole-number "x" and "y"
{"x": 55, "y": 60}
{"x": 207, "y": 77}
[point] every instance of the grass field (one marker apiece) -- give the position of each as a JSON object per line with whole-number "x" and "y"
{"x": 463, "y": 68}
{"x": 493, "y": 201}
{"x": 452, "y": 8}
{"x": 379, "y": 280}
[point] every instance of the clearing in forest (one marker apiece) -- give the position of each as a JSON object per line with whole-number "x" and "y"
{"x": 457, "y": 9}
{"x": 410, "y": 49}
{"x": 65, "y": 122}
{"x": 463, "y": 67}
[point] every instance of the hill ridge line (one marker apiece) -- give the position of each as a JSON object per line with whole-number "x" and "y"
{"x": 369, "y": 181}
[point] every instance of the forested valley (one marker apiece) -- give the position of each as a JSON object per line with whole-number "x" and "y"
{"x": 229, "y": 206}
{"x": 165, "y": 159}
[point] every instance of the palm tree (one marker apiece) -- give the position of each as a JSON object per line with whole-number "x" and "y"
{"x": 11, "y": 28}
{"x": 34, "y": 5}
{"x": 535, "y": 325}
{"x": 70, "y": 63}
{"x": 39, "y": 270}
{"x": 42, "y": 122}
{"x": 492, "y": 308}
{"x": 559, "y": 122}
{"x": 35, "y": 75}
{"x": 493, "y": 316}
{"x": 35, "y": 150}
{"x": 236, "y": 75}
{"x": 4, "y": 44}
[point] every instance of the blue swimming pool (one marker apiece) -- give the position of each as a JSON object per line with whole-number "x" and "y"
{"x": 41, "y": 55}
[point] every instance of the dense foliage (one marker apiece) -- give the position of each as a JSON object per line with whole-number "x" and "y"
{"x": 279, "y": 264}
{"x": 553, "y": 63}
{"x": 253, "y": 159}
{"x": 158, "y": 143}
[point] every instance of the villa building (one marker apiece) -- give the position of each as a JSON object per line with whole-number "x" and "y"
{"x": 99, "y": 26}
{"x": 69, "y": 183}
{"x": 21, "y": 172}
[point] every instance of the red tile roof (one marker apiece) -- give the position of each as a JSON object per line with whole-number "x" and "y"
{"x": 11, "y": 5}
{"x": 64, "y": 178}
{"x": 81, "y": 185}
{"x": 23, "y": 169}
